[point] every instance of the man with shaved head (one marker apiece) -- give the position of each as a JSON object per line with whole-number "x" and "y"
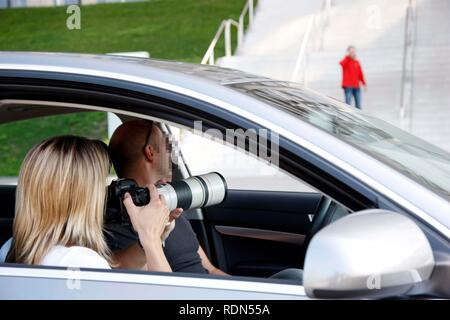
{"x": 140, "y": 150}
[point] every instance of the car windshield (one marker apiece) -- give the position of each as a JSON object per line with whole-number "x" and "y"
{"x": 415, "y": 158}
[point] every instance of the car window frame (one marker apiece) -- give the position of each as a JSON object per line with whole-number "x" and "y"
{"x": 173, "y": 110}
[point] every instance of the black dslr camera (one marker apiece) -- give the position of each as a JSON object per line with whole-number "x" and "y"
{"x": 191, "y": 193}
{"x": 115, "y": 210}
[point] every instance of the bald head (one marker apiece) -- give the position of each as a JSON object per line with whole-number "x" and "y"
{"x": 141, "y": 151}
{"x": 127, "y": 144}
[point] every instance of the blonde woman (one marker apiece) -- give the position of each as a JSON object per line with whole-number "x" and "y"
{"x": 60, "y": 203}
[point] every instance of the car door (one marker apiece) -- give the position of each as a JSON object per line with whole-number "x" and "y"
{"x": 208, "y": 220}
{"x": 260, "y": 228}
{"x": 25, "y": 282}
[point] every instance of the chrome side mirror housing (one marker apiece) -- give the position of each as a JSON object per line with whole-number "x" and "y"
{"x": 367, "y": 254}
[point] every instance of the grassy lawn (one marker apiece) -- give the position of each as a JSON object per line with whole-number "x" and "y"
{"x": 18, "y": 137}
{"x": 168, "y": 29}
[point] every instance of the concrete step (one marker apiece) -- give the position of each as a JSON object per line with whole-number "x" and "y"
{"x": 376, "y": 28}
{"x": 278, "y": 29}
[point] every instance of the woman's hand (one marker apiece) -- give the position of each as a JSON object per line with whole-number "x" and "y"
{"x": 149, "y": 222}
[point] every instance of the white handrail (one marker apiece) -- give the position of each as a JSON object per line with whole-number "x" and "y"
{"x": 322, "y": 17}
{"x": 303, "y": 48}
{"x": 241, "y": 22}
{"x": 327, "y": 11}
{"x": 227, "y": 39}
{"x": 407, "y": 65}
{"x": 225, "y": 26}
{"x": 209, "y": 55}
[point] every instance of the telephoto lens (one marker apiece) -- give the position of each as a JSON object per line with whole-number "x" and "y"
{"x": 195, "y": 192}
{"x": 191, "y": 193}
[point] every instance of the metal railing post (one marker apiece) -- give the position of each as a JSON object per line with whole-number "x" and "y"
{"x": 227, "y": 38}
{"x": 327, "y": 11}
{"x": 225, "y": 27}
{"x": 302, "y": 48}
{"x": 313, "y": 35}
{"x": 250, "y": 12}
{"x": 406, "y": 86}
{"x": 240, "y": 31}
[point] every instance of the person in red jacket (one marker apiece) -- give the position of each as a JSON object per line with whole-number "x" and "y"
{"x": 352, "y": 76}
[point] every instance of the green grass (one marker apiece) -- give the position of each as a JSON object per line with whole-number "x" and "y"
{"x": 168, "y": 29}
{"x": 18, "y": 137}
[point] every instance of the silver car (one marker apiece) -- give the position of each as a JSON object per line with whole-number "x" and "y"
{"x": 357, "y": 207}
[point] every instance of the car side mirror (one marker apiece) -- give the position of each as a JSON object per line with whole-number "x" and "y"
{"x": 371, "y": 253}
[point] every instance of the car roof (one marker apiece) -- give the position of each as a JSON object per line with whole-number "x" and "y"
{"x": 222, "y": 84}
{"x": 156, "y": 69}
{"x": 203, "y": 80}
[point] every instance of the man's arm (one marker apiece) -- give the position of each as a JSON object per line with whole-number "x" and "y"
{"x": 132, "y": 257}
{"x": 208, "y": 265}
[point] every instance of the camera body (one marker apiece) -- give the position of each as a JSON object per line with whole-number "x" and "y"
{"x": 118, "y": 188}
{"x": 191, "y": 193}
{"x": 115, "y": 210}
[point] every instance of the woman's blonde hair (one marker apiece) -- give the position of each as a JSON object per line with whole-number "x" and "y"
{"x": 60, "y": 198}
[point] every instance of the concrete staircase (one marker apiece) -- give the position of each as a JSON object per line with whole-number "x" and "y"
{"x": 376, "y": 28}
{"x": 271, "y": 46}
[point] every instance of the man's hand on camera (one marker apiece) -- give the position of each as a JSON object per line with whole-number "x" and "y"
{"x": 175, "y": 213}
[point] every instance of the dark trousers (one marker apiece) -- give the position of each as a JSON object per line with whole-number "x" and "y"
{"x": 356, "y": 93}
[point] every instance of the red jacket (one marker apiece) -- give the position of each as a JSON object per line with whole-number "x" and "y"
{"x": 352, "y": 73}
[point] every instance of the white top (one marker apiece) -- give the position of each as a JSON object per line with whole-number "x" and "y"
{"x": 76, "y": 257}
{"x": 4, "y": 250}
